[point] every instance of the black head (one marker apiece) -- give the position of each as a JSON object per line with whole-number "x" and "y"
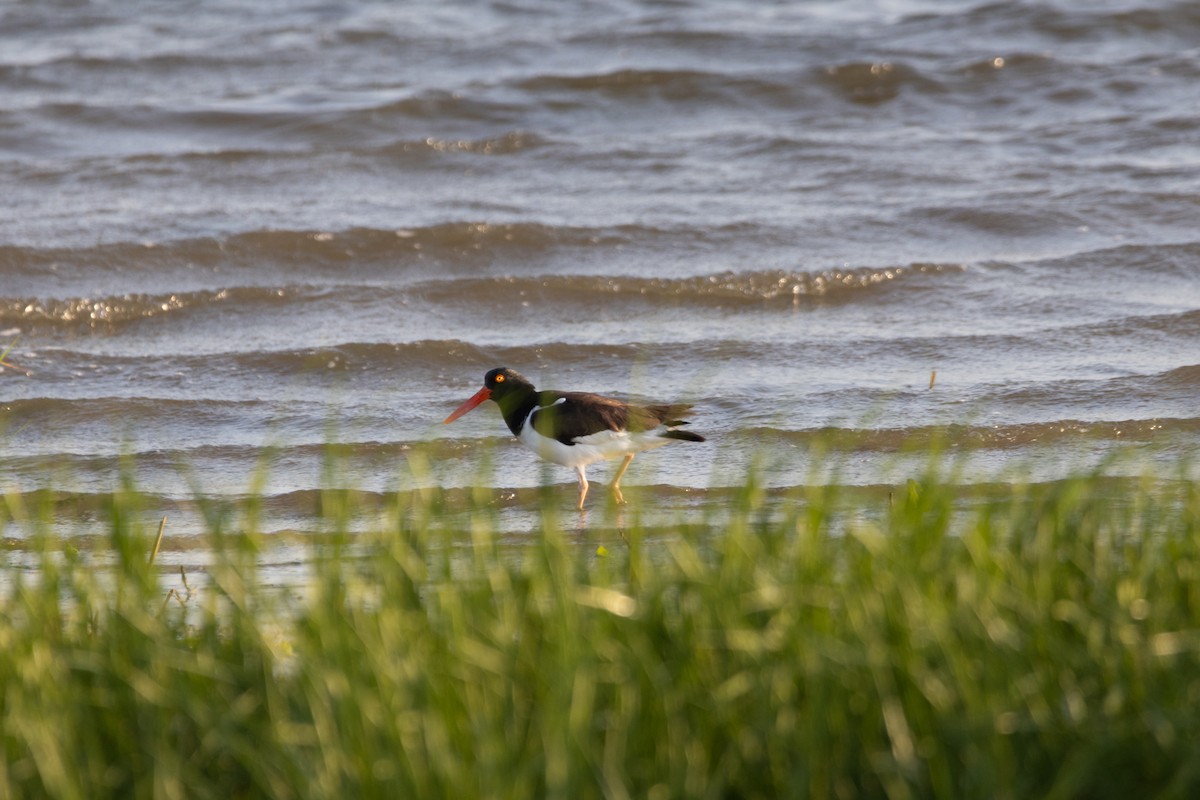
{"x": 511, "y": 390}
{"x": 503, "y": 382}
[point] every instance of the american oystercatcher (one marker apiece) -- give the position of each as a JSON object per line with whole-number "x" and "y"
{"x": 578, "y": 428}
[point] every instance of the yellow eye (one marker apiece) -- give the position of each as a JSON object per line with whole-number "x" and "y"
{"x": 499, "y": 379}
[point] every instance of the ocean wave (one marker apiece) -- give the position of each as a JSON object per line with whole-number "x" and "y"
{"x": 873, "y": 82}
{"x": 860, "y": 82}
{"x": 292, "y": 254}
{"x": 1170, "y": 389}
{"x": 771, "y": 287}
{"x": 998, "y": 219}
{"x": 977, "y": 436}
{"x": 115, "y": 313}
{"x": 1127, "y": 265}
{"x": 301, "y": 249}
{"x": 1177, "y": 260}
{"x": 506, "y": 144}
{"x": 125, "y": 411}
{"x": 1183, "y": 326}
{"x": 382, "y": 360}
{"x": 1187, "y": 377}
{"x": 1073, "y": 23}
{"x": 245, "y": 459}
{"x": 673, "y": 85}
{"x": 274, "y": 124}
{"x": 88, "y": 312}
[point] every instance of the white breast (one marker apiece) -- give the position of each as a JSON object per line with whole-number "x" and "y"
{"x": 589, "y": 449}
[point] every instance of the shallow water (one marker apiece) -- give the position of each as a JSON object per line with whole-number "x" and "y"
{"x": 231, "y": 237}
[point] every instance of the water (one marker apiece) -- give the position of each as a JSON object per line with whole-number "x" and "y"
{"x": 231, "y": 236}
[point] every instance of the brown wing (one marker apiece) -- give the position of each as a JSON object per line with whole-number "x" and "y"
{"x": 567, "y": 416}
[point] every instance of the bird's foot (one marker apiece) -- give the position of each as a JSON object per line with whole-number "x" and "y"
{"x": 618, "y": 498}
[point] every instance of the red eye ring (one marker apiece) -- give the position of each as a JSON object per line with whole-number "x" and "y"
{"x": 499, "y": 379}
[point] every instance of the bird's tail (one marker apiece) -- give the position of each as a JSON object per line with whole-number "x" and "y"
{"x": 683, "y": 436}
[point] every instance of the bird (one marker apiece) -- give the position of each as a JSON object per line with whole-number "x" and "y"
{"x": 575, "y": 429}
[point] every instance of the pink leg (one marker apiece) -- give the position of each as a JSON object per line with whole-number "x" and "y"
{"x": 583, "y": 486}
{"x": 616, "y": 483}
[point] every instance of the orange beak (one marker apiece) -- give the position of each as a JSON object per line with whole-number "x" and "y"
{"x": 476, "y": 399}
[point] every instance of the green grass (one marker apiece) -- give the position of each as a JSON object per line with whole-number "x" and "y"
{"x": 1039, "y": 640}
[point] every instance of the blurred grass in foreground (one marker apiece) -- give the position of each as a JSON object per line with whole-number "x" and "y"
{"x": 1044, "y": 643}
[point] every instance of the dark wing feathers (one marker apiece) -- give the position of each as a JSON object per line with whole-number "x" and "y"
{"x": 567, "y": 416}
